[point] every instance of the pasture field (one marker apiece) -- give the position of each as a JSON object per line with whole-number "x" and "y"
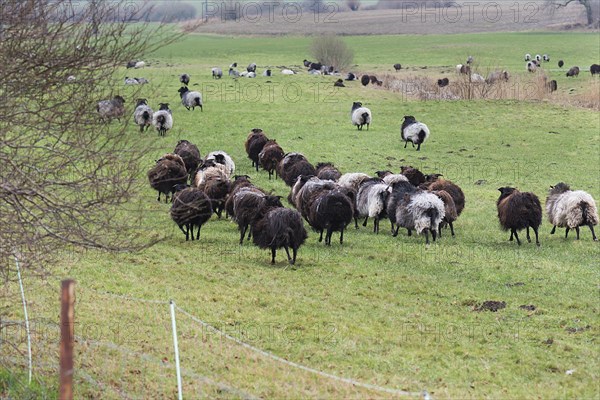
{"x": 385, "y": 311}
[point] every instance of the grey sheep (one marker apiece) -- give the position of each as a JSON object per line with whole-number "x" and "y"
{"x": 109, "y": 109}
{"x": 142, "y": 116}
{"x": 190, "y": 99}
{"x": 571, "y": 209}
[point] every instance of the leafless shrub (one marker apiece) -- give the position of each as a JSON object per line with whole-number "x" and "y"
{"x": 66, "y": 176}
{"x": 332, "y": 51}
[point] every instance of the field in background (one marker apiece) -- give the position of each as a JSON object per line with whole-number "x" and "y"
{"x": 381, "y": 310}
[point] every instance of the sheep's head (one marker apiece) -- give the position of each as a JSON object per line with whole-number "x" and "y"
{"x": 272, "y": 201}
{"x": 383, "y": 174}
{"x": 183, "y": 90}
{"x": 241, "y": 178}
{"x": 119, "y": 99}
{"x": 356, "y": 105}
{"x": 506, "y": 191}
{"x": 163, "y": 106}
{"x": 409, "y": 119}
{"x": 432, "y": 177}
{"x": 257, "y": 130}
{"x": 559, "y": 188}
{"x": 141, "y": 102}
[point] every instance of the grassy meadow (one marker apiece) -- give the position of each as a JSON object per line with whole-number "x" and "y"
{"x": 381, "y": 310}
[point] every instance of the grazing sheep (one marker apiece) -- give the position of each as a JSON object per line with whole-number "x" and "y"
{"x": 497, "y": 76}
{"x": 371, "y": 200}
{"x": 373, "y": 79}
{"x": 254, "y": 144}
{"x": 287, "y": 72}
{"x": 316, "y": 66}
{"x": 443, "y": 82}
{"x": 131, "y": 81}
{"x": 330, "y": 211}
{"x": 168, "y": 171}
{"x": 414, "y": 131}
{"x": 233, "y": 65}
{"x": 267, "y": 72}
{"x": 414, "y": 176}
{"x": 399, "y": 190}
{"x": 595, "y": 69}
{"x": 190, "y": 154}
{"x": 142, "y": 81}
{"x": 142, "y": 116}
{"x": 469, "y": 60}
{"x": 139, "y": 64}
{"x": 270, "y": 156}
{"x": 339, "y": 83}
{"x": 162, "y": 119}
{"x": 251, "y": 67}
{"x": 251, "y": 75}
{"x": 571, "y": 209}
{"x": 365, "y": 80}
{"x": 190, "y": 99}
{"x": 422, "y": 211}
{"x": 517, "y": 211}
{"x": 573, "y": 71}
{"x": 185, "y": 79}
{"x": 109, "y": 109}
{"x": 191, "y": 207}
{"x": 217, "y": 73}
{"x": 292, "y": 166}
{"x": 397, "y": 67}
{"x": 307, "y": 63}
{"x": 552, "y": 86}
{"x": 450, "y": 214}
{"x": 233, "y": 73}
{"x": 131, "y": 64}
{"x": 327, "y": 171}
{"x": 546, "y": 58}
{"x": 527, "y": 57}
{"x": 278, "y": 227}
{"x": 221, "y": 157}
{"x": 360, "y": 116}
{"x": 561, "y": 63}
{"x": 350, "y": 77}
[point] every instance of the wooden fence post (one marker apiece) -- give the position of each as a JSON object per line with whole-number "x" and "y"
{"x": 67, "y": 317}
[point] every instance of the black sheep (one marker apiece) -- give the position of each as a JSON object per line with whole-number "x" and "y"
{"x": 365, "y": 80}
{"x": 190, "y": 154}
{"x": 217, "y": 191}
{"x": 166, "y": 173}
{"x": 246, "y": 203}
{"x": 270, "y": 156}
{"x": 327, "y": 171}
{"x": 595, "y": 69}
{"x": 433, "y": 183}
{"x": 397, "y": 67}
{"x": 350, "y": 77}
{"x": 278, "y": 227}
{"x": 191, "y": 207}
{"x": 560, "y": 63}
{"x": 414, "y": 176}
{"x": 292, "y": 166}
{"x": 330, "y": 211}
{"x": 239, "y": 182}
{"x": 339, "y": 83}
{"x": 443, "y": 82}
{"x": 517, "y": 211}
{"x": 552, "y": 86}
{"x": 573, "y": 71}
{"x": 254, "y": 145}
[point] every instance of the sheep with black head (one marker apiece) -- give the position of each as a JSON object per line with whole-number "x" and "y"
{"x": 168, "y": 171}
{"x": 327, "y": 171}
{"x": 371, "y": 201}
{"x": 517, "y": 211}
{"x": 255, "y": 142}
{"x": 270, "y": 156}
{"x": 414, "y": 131}
{"x": 190, "y": 154}
{"x": 571, "y": 209}
{"x": 191, "y": 208}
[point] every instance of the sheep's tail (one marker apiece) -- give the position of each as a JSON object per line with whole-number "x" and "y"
{"x": 161, "y": 120}
{"x": 588, "y": 214}
{"x": 197, "y": 101}
{"x": 422, "y": 136}
{"x": 365, "y": 117}
{"x": 146, "y": 115}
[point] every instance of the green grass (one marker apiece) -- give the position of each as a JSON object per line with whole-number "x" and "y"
{"x": 382, "y": 310}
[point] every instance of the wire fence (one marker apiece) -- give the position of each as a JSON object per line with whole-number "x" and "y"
{"x": 127, "y": 354}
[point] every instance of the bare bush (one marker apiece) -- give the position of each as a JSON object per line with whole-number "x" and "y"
{"x": 333, "y": 51}
{"x": 67, "y": 175}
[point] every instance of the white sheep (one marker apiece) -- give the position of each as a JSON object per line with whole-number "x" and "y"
{"x": 422, "y": 211}
{"x": 217, "y": 73}
{"x": 162, "y": 119}
{"x": 287, "y": 72}
{"x": 190, "y": 99}
{"x": 360, "y": 116}
{"x": 142, "y": 116}
{"x": 221, "y": 157}
{"x": 414, "y": 131}
{"x": 371, "y": 200}
{"x": 139, "y": 64}
{"x": 571, "y": 209}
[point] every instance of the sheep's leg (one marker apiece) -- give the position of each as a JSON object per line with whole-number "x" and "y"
{"x": 577, "y": 230}
{"x": 328, "y": 236}
{"x": 537, "y": 240}
{"x": 376, "y": 225}
{"x": 433, "y": 232}
{"x": 395, "y": 232}
{"x": 321, "y": 237}
{"x": 451, "y": 228}
{"x": 593, "y": 233}
{"x": 365, "y": 223}
{"x": 243, "y": 234}
{"x": 553, "y": 230}
{"x": 567, "y": 232}
{"x": 184, "y": 232}
{"x": 158, "y": 197}
{"x": 287, "y": 251}
{"x": 418, "y": 147}
{"x": 409, "y": 232}
{"x": 511, "y": 235}
{"x": 517, "y": 237}
{"x": 405, "y": 144}
{"x": 368, "y": 126}
{"x": 273, "y": 253}
{"x": 528, "y": 237}
{"x": 342, "y": 236}
{"x": 141, "y": 128}
{"x": 426, "y": 236}
{"x": 294, "y": 254}
{"x": 249, "y": 233}
{"x": 440, "y": 230}
{"x": 198, "y": 235}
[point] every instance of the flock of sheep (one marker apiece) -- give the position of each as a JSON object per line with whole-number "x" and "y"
{"x": 329, "y": 201}
{"x": 321, "y": 195}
